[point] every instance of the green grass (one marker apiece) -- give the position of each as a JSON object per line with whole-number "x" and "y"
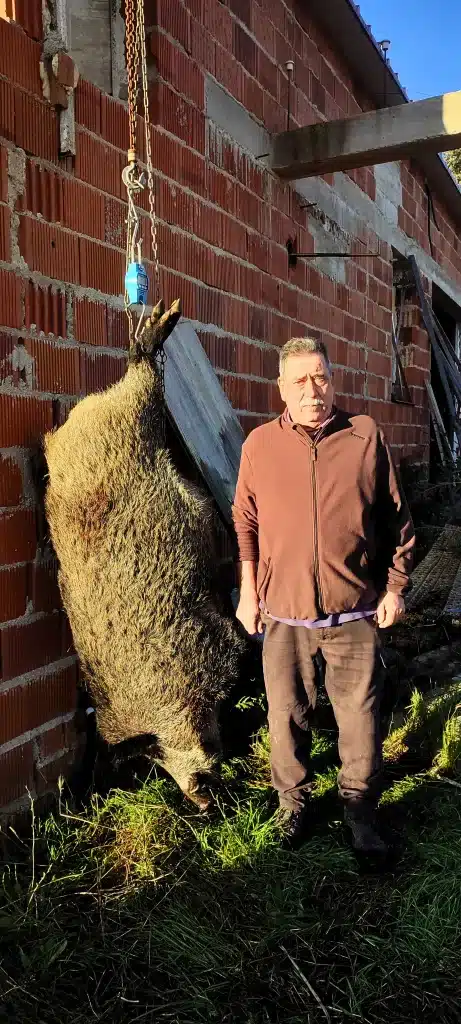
{"x": 139, "y": 910}
{"x": 448, "y": 758}
{"x": 431, "y": 724}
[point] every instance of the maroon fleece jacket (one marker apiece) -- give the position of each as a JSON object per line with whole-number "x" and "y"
{"x": 327, "y": 521}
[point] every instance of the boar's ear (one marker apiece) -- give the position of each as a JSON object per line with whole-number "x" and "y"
{"x": 157, "y": 328}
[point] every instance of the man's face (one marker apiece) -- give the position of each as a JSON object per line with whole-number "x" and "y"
{"x": 307, "y": 389}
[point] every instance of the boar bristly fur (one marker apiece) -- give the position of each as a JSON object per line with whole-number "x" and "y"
{"x": 134, "y": 543}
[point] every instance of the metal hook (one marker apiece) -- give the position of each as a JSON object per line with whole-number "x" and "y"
{"x": 135, "y": 245}
{"x": 133, "y": 179}
{"x": 141, "y": 318}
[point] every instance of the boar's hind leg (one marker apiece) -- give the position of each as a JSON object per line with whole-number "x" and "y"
{"x": 156, "y": 330}
{"x": 133, "y": 747}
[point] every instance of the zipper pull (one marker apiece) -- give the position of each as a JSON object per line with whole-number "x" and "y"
{"x": 314, "y": 453}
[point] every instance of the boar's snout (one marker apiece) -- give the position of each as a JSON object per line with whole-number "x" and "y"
{"x": 200, "y": 790}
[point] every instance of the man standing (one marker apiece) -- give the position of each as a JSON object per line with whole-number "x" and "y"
{"x": 326, "y": 546}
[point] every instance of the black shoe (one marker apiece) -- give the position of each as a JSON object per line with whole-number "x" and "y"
{"x": 365, "y": 837}
{"x": 293, "y": 828}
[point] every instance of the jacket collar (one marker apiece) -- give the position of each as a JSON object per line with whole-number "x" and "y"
{"x": 338, "y": 420}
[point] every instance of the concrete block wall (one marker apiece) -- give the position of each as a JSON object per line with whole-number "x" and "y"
{"x": 223, "y": 225}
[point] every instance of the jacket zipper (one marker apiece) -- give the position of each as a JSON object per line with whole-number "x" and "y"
{"x": 316, "y": 538}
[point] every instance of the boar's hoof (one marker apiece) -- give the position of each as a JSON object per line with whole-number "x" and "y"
{"x": 156, "y": 330}
{"x": 199, "y": 793}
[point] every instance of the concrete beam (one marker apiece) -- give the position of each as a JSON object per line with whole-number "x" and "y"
{"x": 392, "y": 133}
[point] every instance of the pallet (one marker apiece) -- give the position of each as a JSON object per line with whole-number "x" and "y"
{"x": 452, "y": 608}
{"x": 434, "y": 579}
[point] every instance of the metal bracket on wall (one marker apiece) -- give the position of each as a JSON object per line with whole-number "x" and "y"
{"x": 430, "y": 213}
{"x": 294, "y": 255}
{"x": 59, "y": 73}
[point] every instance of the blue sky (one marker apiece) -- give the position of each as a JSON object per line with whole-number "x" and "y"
{"x": 425, "y": 42}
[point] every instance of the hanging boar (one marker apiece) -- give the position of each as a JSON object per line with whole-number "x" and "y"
{"x": 134, "y": 543}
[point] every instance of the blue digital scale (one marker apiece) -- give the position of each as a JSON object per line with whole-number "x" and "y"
{"x": 136, "y": 284}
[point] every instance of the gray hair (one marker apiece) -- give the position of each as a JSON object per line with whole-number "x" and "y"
{"x": 299, "y": 346}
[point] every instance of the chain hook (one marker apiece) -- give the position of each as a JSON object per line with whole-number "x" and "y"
{"x": 133, "y": 179}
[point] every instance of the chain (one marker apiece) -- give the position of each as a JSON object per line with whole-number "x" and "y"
{"x": 132, "y": 67}
{"x": 161, "y": 360}
{"x": 150, "y": 173}
{"x": 136, "y": 59}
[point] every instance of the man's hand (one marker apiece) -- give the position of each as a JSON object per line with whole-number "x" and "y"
{"x": 390, "y": 610}
{"x": 248, "y": 607}
{"x": 248, "y": 614}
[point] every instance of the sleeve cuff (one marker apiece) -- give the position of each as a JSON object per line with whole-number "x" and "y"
{"x": 400, "y": 589}
{"x": 248, "y": 548}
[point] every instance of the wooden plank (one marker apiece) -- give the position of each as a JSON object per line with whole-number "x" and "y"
{"x": 438, "y": 437}
{"x": 430, "y": 328}
{"x": 391, "y": 133}
{"x": 439, "y": 427}
{"x": 204, "y": 417}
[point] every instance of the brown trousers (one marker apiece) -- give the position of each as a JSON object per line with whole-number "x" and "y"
{"x": 353, "y": 683}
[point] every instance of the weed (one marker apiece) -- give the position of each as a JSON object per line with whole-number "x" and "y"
{"x": 427, "y": 717}
{"x": 448, "y": 758}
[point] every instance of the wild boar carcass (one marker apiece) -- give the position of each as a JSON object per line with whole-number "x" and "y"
{"x": 134, "y": 544}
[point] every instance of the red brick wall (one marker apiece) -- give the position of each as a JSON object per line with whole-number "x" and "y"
{"x": 253, "y": 297}
{"x": 224, "y": 222}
